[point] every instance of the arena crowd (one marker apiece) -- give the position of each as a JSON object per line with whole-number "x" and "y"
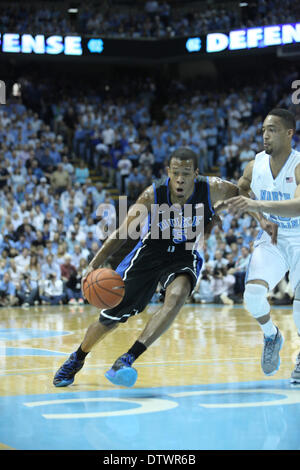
{"x": 61, "y": 159}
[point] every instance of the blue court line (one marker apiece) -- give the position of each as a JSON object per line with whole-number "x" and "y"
{"x": 20, "y": 351}
{"x": 263, "y": 426}
{"x": 24, "y": 334}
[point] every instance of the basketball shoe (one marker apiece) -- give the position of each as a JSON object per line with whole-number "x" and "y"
{"x": 121, "y": 373}
{"x": 295, "y": 377}
{"x": 66, "y": 373}
{"x": 270, "y": 360}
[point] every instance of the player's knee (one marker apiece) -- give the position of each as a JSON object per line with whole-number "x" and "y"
{"x": 176, "y": 298}
{"x": 108, "y": 324}
{"x": 255, "y": 298}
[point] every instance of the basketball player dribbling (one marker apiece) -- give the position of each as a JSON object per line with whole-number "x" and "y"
{"x": 164, "y": 260}
{"x": 274, "y": 178}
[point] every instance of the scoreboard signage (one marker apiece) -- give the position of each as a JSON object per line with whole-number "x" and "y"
{"x": 210, "y": 44}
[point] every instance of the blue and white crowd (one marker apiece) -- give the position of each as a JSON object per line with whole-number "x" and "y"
{"x": 143, "y": 19}
{"x": 60, "y": 160}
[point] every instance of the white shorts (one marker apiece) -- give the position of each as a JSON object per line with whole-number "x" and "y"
{"x": 270, "y": 262}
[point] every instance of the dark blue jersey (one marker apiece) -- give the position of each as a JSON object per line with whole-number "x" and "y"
{"x": 169, "y": 226}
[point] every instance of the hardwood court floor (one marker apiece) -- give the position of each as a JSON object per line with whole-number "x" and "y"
{"x": 202, "y": 377}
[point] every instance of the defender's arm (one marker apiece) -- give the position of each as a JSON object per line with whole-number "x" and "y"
{"x": 221, "y": 190}
{"x": 288, "y": 208}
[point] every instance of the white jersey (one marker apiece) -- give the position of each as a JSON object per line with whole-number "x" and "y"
{"x": 267, "y": 188}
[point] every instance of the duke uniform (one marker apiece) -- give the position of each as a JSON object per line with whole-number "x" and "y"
{"x": 162, "y": 258}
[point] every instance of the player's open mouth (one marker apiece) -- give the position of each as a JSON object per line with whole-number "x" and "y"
{"x": 179, "y": 190}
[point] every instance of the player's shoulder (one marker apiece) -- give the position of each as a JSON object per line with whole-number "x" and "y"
{"x": 202, "y": 179}
{"x": 260, "y": 160}
{"x": 213, "y": 180}
{"x": 158, "y": 182}
{"x": 147, "y": 197}
{"x": 296, "y": 155}
{"x": 209, "y": 183}
{"x": 261, "y": 156}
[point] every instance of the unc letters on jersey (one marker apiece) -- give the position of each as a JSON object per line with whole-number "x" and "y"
{"x": 282, "y": 188}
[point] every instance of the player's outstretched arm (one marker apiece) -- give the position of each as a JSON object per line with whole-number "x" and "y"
{"x": 288, "y": 208}
{"x": 120, "y": 235}
{"x": 244, "y": 191}
{"x": 220, "y": 191}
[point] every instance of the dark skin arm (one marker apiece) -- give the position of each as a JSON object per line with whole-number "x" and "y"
{"x": 245, "y": 189}
{"x": 219, "y": 191}
{"x": 288, "y": 208}
{"x": 115, "y": 241}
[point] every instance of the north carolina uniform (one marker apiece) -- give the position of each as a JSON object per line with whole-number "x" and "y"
{"x": 270, "y": 262}
{"x": 163, "y": 257}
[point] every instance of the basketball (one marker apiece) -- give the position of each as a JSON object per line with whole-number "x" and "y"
{"x": 104, "y": 288}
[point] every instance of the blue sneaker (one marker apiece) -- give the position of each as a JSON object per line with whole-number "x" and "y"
{"x": 121, "y": 372}
{"x": 270, "y": 360}
{"x": 65, "y": 374}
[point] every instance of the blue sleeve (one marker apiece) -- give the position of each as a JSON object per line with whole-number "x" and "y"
{"x": 11, "y": 289}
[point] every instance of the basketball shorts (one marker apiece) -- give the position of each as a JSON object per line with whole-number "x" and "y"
{"x": 270, "y": 262}
{"x": 141, "y": 271}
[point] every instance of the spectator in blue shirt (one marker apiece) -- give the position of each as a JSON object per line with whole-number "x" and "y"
{"x": 82, "y": 173}
{"x": 50, "y": 266}
{"x": 54, "y": 155}
{"x": 3, "y": 268}
{"x": 27, "y": 291}
{"x": 90, "y": 239}
{"x": 135, "y": 184}
{"x": 22, "y": 243}
{"x": 45, "y": 204}
{"x": 7, "y": 292}
{"x": 6, "y": 243}
{"x": 39, "y": 152}
{"x": 46, "y": 162}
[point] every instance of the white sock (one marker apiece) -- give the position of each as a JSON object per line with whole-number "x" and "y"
{"x": 296, "y": 314}
{"x": 268, "y": 328}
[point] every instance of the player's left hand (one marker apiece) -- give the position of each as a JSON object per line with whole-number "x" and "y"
{"x": 219, "y": 207}
{"x": 215, "y": 220}
{"x": 240, "y": 204}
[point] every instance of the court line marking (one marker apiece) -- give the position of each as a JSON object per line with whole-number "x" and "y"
{"x": 150, "y": 405}
{"x": 30, "y": 347}
{"x": 146, "y": 405}
{"x": 290, "y": 397}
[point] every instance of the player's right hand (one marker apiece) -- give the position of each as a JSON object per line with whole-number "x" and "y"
{"x": 270, "y": 228}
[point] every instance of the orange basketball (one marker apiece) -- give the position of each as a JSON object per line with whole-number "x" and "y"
{"x": 104, "y": 288}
